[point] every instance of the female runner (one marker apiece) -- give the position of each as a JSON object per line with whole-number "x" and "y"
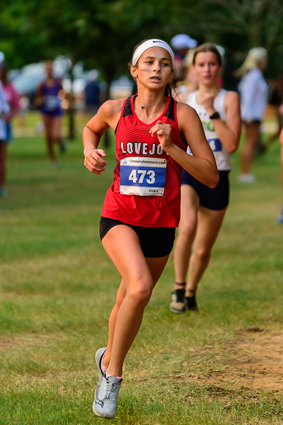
{"x": 142, "y": 207}
{"x": 13, "y": 100}
{"x": 203, "y": 208}
{"x": 47, "y": 98}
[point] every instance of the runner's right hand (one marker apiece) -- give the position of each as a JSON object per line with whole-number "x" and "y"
{"x": 94, "y": 161}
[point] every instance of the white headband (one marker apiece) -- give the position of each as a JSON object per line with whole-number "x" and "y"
{"x": 152, "y": 43}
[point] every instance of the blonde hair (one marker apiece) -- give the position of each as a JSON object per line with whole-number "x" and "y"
{"x": 254, "y": 57}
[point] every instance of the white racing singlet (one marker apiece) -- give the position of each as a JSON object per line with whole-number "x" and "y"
{"x": 220, "y": 152}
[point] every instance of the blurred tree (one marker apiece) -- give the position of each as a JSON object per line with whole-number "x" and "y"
{"x": 102, "y": 33}
{"x": 259, "y": 21}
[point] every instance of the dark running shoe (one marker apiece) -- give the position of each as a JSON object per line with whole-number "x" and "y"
{"x": 191, "y": 303}
{"x": 178, "y": 304}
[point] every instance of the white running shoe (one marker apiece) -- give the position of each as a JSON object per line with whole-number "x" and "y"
{"x": 246, "y": 178}
{"x": 106, "y": 400}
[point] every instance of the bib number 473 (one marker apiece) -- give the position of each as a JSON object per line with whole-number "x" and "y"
{"x": 139, "y": 176}
{"x": 142, "y": 176}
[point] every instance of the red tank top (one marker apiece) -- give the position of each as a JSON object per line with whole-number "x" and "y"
{"x": 134, "y": 141}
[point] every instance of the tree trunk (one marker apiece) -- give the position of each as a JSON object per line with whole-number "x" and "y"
{"x": 71, "y": 109}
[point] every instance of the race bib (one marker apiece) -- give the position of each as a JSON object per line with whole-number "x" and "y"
{"x": 215, "y": 144}
{"x": 51, "y": 102}
{"x": 142, "y": 176}
{"x": 189, "y": 151}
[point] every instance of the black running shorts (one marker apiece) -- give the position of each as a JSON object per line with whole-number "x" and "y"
{"x": 155, "y": 241}
{"x": 213, "y": 199}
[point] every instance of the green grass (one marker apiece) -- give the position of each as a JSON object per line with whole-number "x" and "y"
{"x": 57, "y": 288}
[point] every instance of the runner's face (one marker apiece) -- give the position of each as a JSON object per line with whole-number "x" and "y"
{"x": 154, "y": 68}
{"x": 49, "y": 67}
{"x": 207, "y": 68}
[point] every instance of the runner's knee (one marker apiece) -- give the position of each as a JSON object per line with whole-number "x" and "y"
{"x": 202, "y": 253}
{"x": 140, "y": 294}
{"x": 188, "y": 229}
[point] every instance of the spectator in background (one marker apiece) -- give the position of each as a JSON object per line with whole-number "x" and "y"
{"x": 92, "y": 94}
{"x": 12, "y": 97}
{"x": 254, "y": 92}
{"x": 9, "y": 106}
{"x": 24, "y": 108}
{"x": 181, "y": 44}
{"x": 48, "y": 97}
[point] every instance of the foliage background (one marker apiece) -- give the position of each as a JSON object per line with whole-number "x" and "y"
{"x": 102, "y": 33}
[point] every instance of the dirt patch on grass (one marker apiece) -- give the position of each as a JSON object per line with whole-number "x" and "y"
{"x": 253, "y": 360}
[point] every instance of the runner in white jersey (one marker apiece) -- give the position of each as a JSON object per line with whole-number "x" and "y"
{"x": 203, "y": 209}
{"x": 221, "y": 154}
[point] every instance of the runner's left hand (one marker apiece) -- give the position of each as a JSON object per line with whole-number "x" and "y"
{"x": 207, "y": 102}
{"x": 163, "y": 132}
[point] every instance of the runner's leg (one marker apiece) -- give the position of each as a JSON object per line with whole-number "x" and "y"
{"x": 57, "y": 132}
{"x": 187, "y": 232}
{"x": 48, "y": 125}
{"x": 209, "y": 225}
{"x": 252, "y": 139}
{"x": 139, "y": 276}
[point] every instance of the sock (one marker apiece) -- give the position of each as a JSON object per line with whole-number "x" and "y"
{"x": 118, "y": 377}
{"x": 183, "y": 284}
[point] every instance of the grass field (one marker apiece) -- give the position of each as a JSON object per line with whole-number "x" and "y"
{"x": 57, "y": 288}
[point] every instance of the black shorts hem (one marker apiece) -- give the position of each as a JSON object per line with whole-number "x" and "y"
{"x": 252, "y": 122}
{"x": 213, "y": 199}
{"x": 155, "y": 241}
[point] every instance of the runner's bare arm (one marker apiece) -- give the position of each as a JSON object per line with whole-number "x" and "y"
{"x": 107, "y": 116}
{"x": 229, "y": 132}
{"x": 38, "y": 97}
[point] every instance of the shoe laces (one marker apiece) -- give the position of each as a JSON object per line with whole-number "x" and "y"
{"x": 111, "y": 389}
{"x": 179, "y": 293}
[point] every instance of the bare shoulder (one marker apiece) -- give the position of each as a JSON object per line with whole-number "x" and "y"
{"x": 187, "y": 117}
{"x": 111, "y": 107}
{"x": 231, "y": 97}
{"x": 110, "y": 112}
